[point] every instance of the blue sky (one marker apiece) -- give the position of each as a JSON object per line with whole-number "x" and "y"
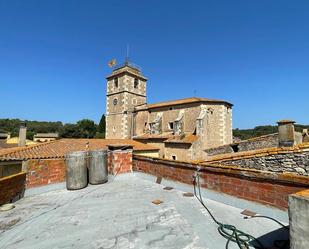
{"x": 253, "y": 53}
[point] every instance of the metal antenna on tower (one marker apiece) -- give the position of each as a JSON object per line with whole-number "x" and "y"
{"x": 127, "y": 57}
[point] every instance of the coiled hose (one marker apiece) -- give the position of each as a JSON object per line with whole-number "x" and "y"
{"x": 230, "y": 232}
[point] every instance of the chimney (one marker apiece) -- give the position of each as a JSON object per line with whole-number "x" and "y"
{"x": 22, "y": 134}
{"x": 286, "y": 133}
{"x": 305, "y": 136}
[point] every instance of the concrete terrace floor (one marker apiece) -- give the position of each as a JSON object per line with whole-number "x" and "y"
{"x": 120, "y": 214}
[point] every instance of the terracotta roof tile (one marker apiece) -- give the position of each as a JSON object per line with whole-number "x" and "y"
{"x": 58, "y": 148}
{"x": 187, "y": 139}
{"x": 184, "y": 101}
{"x": 154, "y": 136}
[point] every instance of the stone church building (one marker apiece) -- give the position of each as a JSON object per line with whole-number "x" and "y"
{"x": 182, "y": 129}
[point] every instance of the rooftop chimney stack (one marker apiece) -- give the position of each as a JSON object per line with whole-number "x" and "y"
{"x": 286, "y": 133}
{"x": 305, "y": 136}
{"x": 22, "y": 134}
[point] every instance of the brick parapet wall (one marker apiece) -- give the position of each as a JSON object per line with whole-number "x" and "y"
{"x": 42, "y": 172}
{"x": 12, "y": 187}
{"x": 47, "y": 171}
{"x": 259, "y": 186}
{"x": 120, "y": 161}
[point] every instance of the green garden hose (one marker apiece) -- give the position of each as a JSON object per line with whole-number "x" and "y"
{"x": 230, "y": 232}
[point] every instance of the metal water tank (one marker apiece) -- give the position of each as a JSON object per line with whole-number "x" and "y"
{"x": 76, "y": 170}
{"x": 98, "y": 167}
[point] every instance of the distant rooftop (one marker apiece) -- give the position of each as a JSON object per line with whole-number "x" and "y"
{"x": 120, "y": 214}
{"x": 47, "y": 135}
{"x": 58, "y": 148}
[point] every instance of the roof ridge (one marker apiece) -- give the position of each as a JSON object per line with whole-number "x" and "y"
{"x": 24, "y": 148}
{"x": 193, "y": 99}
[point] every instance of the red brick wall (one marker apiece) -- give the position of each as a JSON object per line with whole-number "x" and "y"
{"x": 270, "y": 189}
{"x": 43, "y": 172}
{"x": 120, "y": 162}
{"x": 12, "y": 187}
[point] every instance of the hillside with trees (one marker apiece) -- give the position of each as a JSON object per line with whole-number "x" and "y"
{"x": 84, "y": 128}
{"x": 262, "y": 130}
{"x": 87, "y": 128}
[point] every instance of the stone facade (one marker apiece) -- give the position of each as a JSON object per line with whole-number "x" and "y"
{"x": 126, "y": 89}
{"x": 194, "y": 124}
{"x": 266, "y": 141}
{"x": 286, "y": 159}
{"x": 289, "y": 162}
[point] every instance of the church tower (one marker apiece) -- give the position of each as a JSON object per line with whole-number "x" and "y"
{"x": 126, "y": 89}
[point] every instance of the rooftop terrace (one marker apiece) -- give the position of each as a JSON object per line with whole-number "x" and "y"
{"x": 120, "y": 214}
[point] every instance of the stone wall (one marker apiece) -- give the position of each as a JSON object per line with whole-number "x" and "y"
{"x": 181, "y": 152}
{"x": 266, "y": 141}
{"x": 120, "y": 101}
{"x": 12, "y": 188}
{"x": 263, "y": 187}
{"x": 295, "y": 162}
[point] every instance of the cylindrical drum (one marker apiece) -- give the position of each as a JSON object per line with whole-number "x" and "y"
{"x": 98, "y": 167}
{"x": 76, "y": 170}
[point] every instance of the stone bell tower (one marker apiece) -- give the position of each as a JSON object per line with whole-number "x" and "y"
{"x": 126, "y": 89}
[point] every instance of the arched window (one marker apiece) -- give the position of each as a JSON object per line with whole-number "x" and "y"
{"x": 116, "y": 82}
{"x": 136, "y": 83}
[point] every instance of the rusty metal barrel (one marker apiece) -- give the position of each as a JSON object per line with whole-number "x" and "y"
{"x": 98, "y": 173}
{"x": 76, "y": 170}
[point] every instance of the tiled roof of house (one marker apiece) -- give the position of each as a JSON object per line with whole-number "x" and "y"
{"x": 169, "y": 138}
{"x": 4, "y": 145}
{"x": 187, "y": 139}
{"x": 154, "y": 136}
{"x": 258, "y": 153}
{"x": 186, "y": 101}
{"x": 58, "y": 148}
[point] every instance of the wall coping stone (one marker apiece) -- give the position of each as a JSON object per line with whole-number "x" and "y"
{"x": 285, "y": 177}
{"x": 259, "y": 153}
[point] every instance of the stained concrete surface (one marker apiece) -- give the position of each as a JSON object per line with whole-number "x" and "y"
{"x": 120, "y": 214}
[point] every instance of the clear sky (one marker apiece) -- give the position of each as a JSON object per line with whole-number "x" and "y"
{"x": 252, "y": 53}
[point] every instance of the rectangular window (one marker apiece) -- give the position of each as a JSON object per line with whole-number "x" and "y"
{"x": 174, "y": 157}
{"x": 135, "y": 83}
{"x": 171, "y": 125}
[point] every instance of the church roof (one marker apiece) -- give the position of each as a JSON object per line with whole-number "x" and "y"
{"x": 186, "y": 101}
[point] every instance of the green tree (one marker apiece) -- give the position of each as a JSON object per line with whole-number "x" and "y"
{"x": 101, "y": 128}
{"x": 71, "y": 131}
{"x": 87, "y": 128}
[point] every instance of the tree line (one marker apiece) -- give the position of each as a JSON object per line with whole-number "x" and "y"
{"x": 84, "y": 128}
{"x": 87, "y": 128}
{"x": 262, "y": 130}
